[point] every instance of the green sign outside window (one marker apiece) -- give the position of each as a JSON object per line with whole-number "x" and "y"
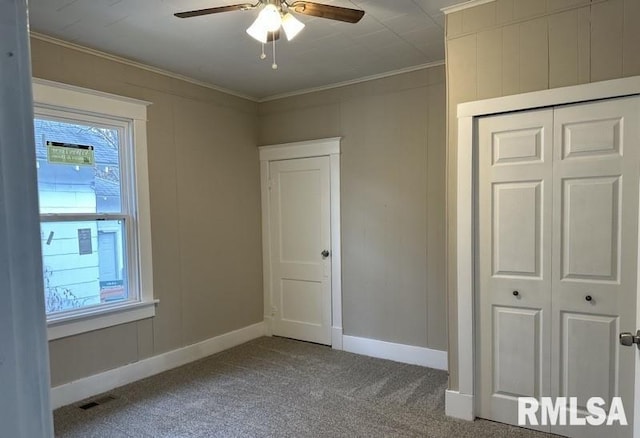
{"x": 68, "y": 153}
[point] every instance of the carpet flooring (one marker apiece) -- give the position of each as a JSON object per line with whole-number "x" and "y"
{"x": 274, "y": 387}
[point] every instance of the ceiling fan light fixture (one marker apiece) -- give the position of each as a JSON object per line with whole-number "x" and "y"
{"x": 269, "y": 16}
{"x": 258, "y": 31}
{"x": 291, "y": 25}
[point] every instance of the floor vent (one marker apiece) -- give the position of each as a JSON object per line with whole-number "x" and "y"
{"x": 97, "y": 402}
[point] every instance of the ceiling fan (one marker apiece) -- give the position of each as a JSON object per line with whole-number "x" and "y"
{"x": 276, "y": 14}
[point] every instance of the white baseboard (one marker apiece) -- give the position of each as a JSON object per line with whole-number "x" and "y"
{"x": 458, "y": 405}
{"x": 98, "y": 383}
{"x": 397, "y": 352}
{"x": 336, "y": 338}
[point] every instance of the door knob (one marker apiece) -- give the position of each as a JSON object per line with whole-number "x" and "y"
{"x": 325, "y": 254}
{"x": 628, "y": 339}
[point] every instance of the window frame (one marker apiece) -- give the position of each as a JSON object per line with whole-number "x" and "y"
{"x": 55, "y": 101}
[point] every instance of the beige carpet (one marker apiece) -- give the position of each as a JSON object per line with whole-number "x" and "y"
{"x": 274, "y": 387}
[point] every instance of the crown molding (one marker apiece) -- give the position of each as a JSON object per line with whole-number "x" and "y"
{"x": 353, "y": 81}
{"x": 120, "y": 59}
{"x": 465, "y": 5}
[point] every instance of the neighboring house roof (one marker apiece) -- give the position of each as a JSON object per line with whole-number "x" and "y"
{"x": 104, "y": 187}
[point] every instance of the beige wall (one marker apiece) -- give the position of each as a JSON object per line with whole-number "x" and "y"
{"x": 205, "y": 209}
{"x": 205, "y": 213}
{"x": 393, "y": 212}
{"x": 514, "y": 46}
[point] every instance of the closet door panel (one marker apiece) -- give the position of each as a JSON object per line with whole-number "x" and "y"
{"x": 595, "y": 253}
{"x": 514, "y": 295}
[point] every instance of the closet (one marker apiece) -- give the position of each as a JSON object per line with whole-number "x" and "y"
{"x": 556, "y": 258}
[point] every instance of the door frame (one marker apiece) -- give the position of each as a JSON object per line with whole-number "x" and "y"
{"x": 460, "y": 402}
{"x": 327, "y": 147}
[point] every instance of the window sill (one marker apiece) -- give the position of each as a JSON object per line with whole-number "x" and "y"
{"x": 99, "y": 318}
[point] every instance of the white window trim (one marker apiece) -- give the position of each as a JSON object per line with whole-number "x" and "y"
{"x": 84, "y": 101}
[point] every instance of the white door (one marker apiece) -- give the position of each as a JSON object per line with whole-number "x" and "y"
{"x": 514, "y": 303}
{"x": 107, "y": 250}
{"x": 558, "y": 222}
{"x": 300, "y": 239}
{"x": 595, "y": 252}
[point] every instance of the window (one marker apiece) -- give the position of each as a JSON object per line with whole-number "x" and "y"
{"x": 94, "y": 212}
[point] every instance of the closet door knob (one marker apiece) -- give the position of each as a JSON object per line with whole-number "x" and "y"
{"x": 516, "y": 293}
{"x": 588, "y": 298}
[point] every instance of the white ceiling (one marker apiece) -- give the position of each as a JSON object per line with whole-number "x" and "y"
{"x": 393, "y": 35}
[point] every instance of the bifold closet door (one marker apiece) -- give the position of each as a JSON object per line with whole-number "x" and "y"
{"x": 514, "y": 301}
{"x": 595, "y": 253}
{"x": 557, "y": 259}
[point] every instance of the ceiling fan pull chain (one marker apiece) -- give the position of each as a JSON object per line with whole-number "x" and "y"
{"x": 262, "y": 55}
{"x": 274, "y": 65}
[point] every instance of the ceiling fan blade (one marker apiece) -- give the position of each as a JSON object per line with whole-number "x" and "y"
{"x": 199, "y": 12}
{"x": 327, "y": 11}
{"x": 273, "y": 36}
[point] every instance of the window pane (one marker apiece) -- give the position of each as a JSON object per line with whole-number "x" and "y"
{"x": 84, "y": 264}
{"x": 78, "y": 167}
